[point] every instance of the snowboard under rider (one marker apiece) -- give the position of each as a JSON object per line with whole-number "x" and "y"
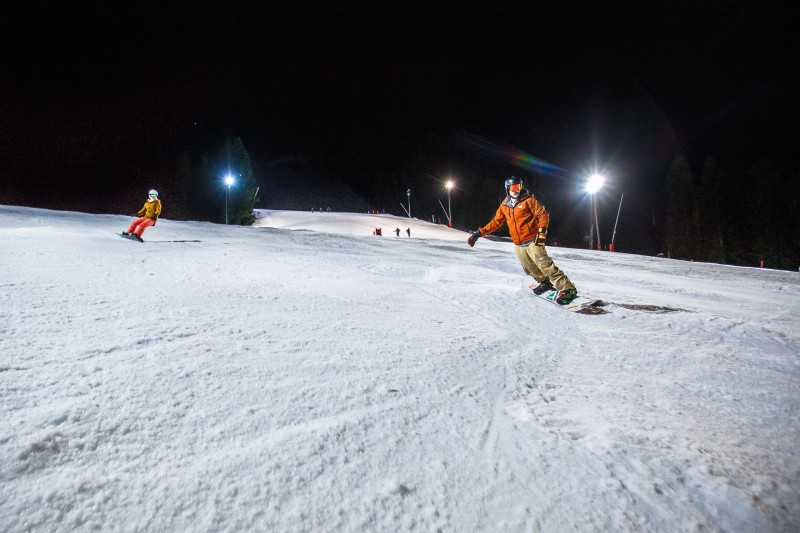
{"x": 527, "y": 221}
{"x": 148, "y": 215}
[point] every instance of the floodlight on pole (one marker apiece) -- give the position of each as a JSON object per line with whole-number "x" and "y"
{"x": 594, "y": 184}
{"x": 229, "y": 180}
{"x": 407, "y": 209}
{"x": 449, "y": 186}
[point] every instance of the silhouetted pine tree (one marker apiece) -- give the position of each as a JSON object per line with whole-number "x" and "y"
{"x": 794, "y": 222}
{"x": 681, "y": 218}
{"x": 715, "y": 213}
{"x": 242, "y": 194}
{"x": 768, "y": 219}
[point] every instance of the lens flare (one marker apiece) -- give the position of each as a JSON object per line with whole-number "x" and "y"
{"x": 516, "y": 157}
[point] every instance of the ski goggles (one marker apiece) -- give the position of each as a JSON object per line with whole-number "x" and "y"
{"x": 515, "y": 187}
{"x": 153, "y": 196}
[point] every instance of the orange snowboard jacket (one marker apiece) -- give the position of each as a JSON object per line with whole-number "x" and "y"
{"x": 524, "y": 218}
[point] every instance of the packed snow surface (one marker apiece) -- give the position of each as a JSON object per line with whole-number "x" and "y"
{"x": 321, "y": 378}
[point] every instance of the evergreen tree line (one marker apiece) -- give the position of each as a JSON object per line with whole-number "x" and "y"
{"x": 729, "y": 217}
{"x": 199, "y": 190}
{"x": 714, "y": 215}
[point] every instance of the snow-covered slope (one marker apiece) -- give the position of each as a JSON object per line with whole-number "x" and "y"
{"x": 358, "y": 224}
{"x": 331, "y": 380}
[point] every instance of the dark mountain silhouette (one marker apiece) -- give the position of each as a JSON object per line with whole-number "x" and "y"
{"x": 300, "y": 183}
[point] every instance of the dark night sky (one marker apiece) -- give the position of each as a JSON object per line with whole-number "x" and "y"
{"x": 106, "y": 98}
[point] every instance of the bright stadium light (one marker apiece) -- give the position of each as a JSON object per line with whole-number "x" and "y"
{"x": 594, "y": 184}
{"x": 449, "y": 186}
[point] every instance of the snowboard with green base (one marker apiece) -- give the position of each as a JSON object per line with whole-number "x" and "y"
{"x": 581, "y": 304}
{"x": 130, "y": 237}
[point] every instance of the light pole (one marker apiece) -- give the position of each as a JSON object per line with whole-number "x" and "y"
{"x": 228, "y": 181}
{"x": 614, "y": 234}
{"x": 408, "y": 193}
{"x": 594, "y": 184}
{"x": 449, "y": 186}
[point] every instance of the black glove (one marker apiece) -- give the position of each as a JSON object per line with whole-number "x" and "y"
{"x": 541, "y": 237}
{"x": 473, "y": 237}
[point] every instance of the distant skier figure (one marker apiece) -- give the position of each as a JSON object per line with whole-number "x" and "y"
{"x": 408, "y": 230}
{"x": 397, "y": 231}
{"x": 527, "y": 221}
{"x": 148, "y": 215}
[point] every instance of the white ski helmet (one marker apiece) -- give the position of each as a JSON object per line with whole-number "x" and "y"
{"x": 153, "y": 193}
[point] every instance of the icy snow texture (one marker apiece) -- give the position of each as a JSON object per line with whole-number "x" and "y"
{"x": 330, "y": 380}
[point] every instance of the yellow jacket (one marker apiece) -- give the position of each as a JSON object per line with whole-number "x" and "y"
{"x": 151, "y": 210}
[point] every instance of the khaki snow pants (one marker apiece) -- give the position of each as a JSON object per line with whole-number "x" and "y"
{"x": 536, "y": 263}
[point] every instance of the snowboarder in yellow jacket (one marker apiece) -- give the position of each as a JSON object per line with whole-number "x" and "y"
{"x": 148, "y": 215}
{"x": 527, "y": 221}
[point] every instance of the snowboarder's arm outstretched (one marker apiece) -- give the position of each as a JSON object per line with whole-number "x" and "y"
{"x": 491, "y": 227}
{"x": 495, "y": 223}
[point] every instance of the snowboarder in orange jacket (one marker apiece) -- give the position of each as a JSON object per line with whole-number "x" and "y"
{"x": 527, "y": 221}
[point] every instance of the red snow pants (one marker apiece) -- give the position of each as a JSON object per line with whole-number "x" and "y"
{"x": 139, "y": 225}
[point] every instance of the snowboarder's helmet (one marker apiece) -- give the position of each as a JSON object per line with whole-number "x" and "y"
{"x": 153, "y": 193}
{"x": 515, "y": 183}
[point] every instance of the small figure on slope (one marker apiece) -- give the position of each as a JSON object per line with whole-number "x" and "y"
{"x": 527, "y": 221}
{"x": 148, "y": 215}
